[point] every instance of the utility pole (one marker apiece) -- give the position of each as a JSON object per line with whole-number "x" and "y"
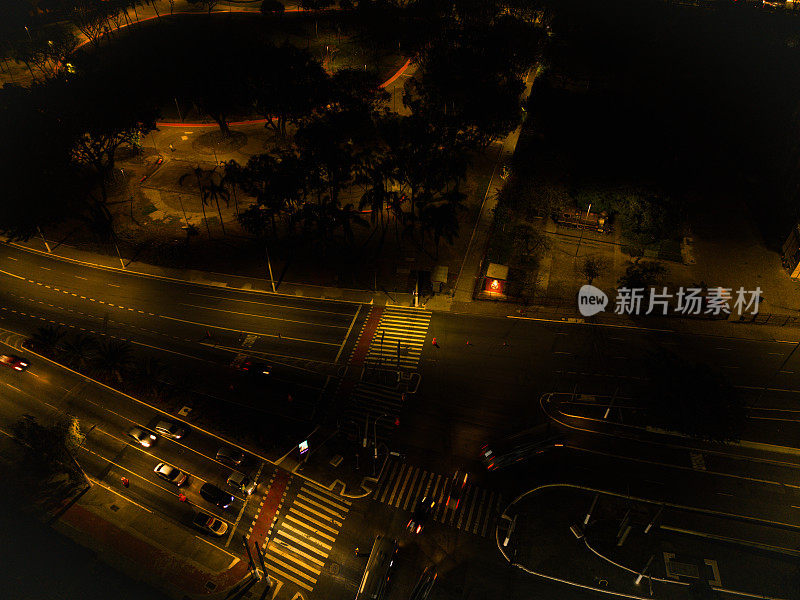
{"x": 269, "y": 266}
{"x": 46, "y": 245}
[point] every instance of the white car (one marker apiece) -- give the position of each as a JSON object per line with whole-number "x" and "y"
{"x": 209, "y": 524}
{"x": 171, "y": 474}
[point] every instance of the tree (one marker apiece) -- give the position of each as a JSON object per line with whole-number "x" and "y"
{"x": 442, "y": 219}
{"x": 648, "y": 217}
{"x": 47, "y": 49}
{"x": 91, "y": 18}
{"x": 642, "y": 275}
{"x": 47, "y": 340}
{"x": 114, "y": 360}
{"x": 80, "y": 352}
{"x": 208, "y": 4}
{"x": 691, "y": 399}
{"x": 39, "y": 177}
{"x": 211, "y": 189}
{"x": 148, "y": 377}
{"x": 49, "y": 448}
{"x": 100, "y": 121}
{"x": 276, "y": 182}
{"x": 286, "y": 85}
{"x": 593, "y": 267}
{"x": 272, "y": 6}
{"x": 346, "y": 217}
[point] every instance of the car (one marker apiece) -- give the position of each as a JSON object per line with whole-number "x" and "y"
{"x": 230, "y": 456}
{"x": 250, "y": 366}
{"x": 423, "y": 587}
{"x": 420, "y": 515}
{"x": 211, "y": 493}
{"x": 171, "y": 474}
{"x": 142, "y": 436}
{"x": 170, "y": 429}
{"x": 458, "y": 485}
{"x": 210, "y": 524}
{"x": 13, "y": 362}
{"x": 241, "y": 483}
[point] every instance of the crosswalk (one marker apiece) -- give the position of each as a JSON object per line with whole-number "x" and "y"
{"x": 304, "y": 533}
{"x": 399, "y": 338}
{"x": 369, "y": 402}
{"x": 402, "y": 485}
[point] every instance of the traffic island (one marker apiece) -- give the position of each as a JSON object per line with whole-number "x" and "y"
{"x": 631, "y": 546}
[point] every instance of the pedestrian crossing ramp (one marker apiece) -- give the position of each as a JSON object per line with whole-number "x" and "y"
{"x": 402, "y": 485}
{"x": 305, "y": 533}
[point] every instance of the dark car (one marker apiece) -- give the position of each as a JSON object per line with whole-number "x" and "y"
{"x": 230, "y": 456}
{"x": 420, "y": 515}
{"x": 208, "y": 524}
{"x": 13, "y": 362}
{"x": 458, "y": 485}
{"x": 170, "y": 429}
{"x": 249, "y": 366}
{"x": 213, "y": 494}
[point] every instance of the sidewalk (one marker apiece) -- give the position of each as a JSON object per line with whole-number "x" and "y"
{"x": 148, "y": 547}
{"x": 473, "y": 259}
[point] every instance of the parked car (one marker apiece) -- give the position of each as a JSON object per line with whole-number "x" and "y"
{"x": 230, "y": 456}
{"x": 241, "y": 483}
{"x": 458, "y": 484}
{"x": 13, "y": 362}
{"x": 170, "y": 429}
{"x": 209, "y": 524}
{"x": 420, "y": 515}
{"x": 142, "y": 436}
{"x": 171, "y": 474}
{"x": 211, "y": 493}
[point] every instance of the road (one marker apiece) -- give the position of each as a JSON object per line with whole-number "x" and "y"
{"x": 484, "y": 378}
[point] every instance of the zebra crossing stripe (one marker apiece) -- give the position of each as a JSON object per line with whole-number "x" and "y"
{"x": 272, "y": 549}
{"x": 478, "y": 514}
{"x": 411, "y": 489}
{"x": 312, "y": 520}
{"x": 397, "y": 483}
{"x": 316, "y": 532}
{"x": 402, "y": 490}
{"x": 386, "y": 483}
{"x": 316, "y": 512}
{"x": 275, "y": 571}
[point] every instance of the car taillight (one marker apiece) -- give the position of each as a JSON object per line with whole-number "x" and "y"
{"x": 491, "y": 466}
{"x": 419, "y": 528}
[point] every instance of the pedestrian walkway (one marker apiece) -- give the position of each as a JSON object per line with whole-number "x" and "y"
{"x": 375, "y": 407}
{"x": 403, "y": 485}
{"x": 305, "y": 533}
{"x": 398, "y": 341}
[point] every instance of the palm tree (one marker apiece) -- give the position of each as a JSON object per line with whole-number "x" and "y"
{"x": 216, "y": 190}
{"x": 80, "y": 351}
{"x": 345, "y": 218}
{"x": 149, "y": 373}
{"x": 114, "y": 360}
{"x": 198, "y": 172}
{"x": 442, "y": 219}
{"x": 47, "y": 339}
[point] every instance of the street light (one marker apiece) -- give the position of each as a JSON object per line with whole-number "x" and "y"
{"x": 375, "y": 433}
